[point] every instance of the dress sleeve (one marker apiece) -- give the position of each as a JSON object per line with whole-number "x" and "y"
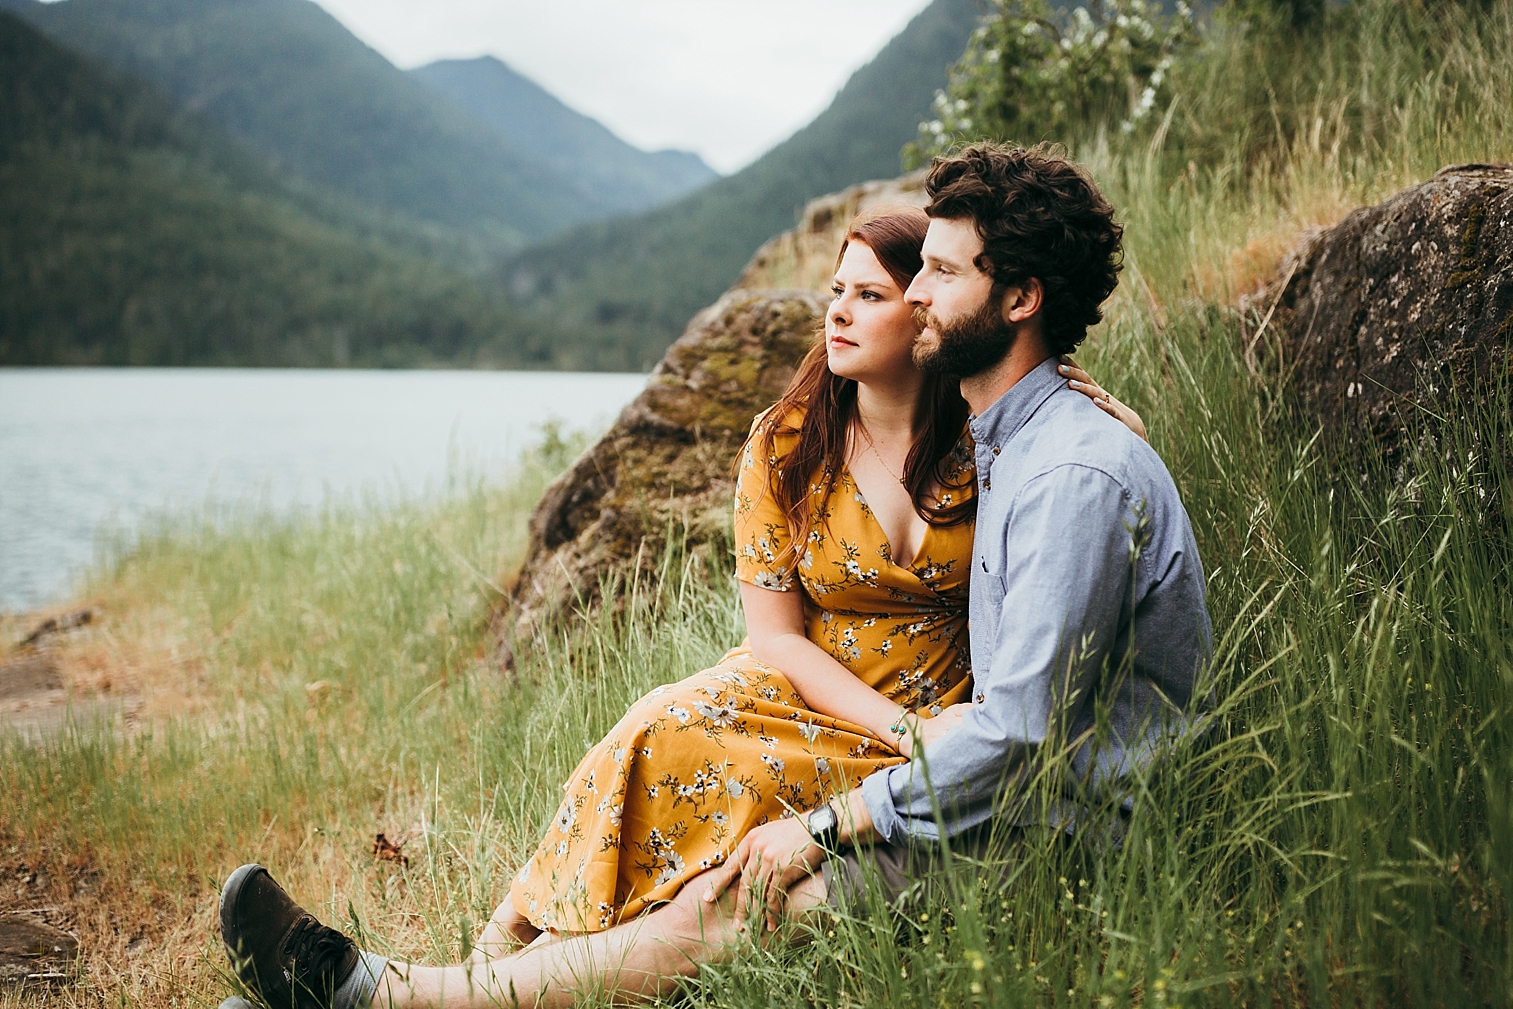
{"x": 761, "y": 529}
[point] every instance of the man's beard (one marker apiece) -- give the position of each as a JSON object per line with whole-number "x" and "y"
{"x": 967, "y": 345}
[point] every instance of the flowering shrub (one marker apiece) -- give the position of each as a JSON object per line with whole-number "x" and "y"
{"x": 1031, "y": 73}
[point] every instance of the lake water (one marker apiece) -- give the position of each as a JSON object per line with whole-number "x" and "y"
{"x": 86, "y": 449}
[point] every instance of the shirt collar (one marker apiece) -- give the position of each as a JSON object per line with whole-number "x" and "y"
{"x": 1000, "y": 422}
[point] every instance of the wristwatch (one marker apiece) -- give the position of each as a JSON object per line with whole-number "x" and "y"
{"x": 824, "y": 826}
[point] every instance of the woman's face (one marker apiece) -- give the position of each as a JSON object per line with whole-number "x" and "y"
{"x": 869, "y": 329}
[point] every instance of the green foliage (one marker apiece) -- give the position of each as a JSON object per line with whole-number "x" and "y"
{"x": 1261, "y": 79}
{"x": 1373, "y": 79}
{"x": 1289, "y": 13}
{"x": 621, "y": 291}
{"x": 1029, "y": 74}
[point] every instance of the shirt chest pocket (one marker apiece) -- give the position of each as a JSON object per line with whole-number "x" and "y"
{"x": 990, "y": 571}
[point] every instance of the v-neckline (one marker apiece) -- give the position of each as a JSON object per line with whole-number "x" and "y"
{"x": 872, "y": 517}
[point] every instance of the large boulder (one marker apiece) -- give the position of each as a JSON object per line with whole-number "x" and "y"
{"x": 1397, "y": 309}
{"x": 665, "y": 466}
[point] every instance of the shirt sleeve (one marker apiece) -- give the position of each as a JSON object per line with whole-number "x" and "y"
{"x": 761, "y": 528}
{"x": 1066, "y": 578}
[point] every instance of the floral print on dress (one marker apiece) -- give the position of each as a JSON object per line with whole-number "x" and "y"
{"x": 694, "y": 765}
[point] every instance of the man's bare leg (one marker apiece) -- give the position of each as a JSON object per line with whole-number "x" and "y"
{"x": 632, "y": 962}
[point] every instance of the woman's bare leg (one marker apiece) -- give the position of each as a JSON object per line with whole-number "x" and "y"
{"x": 631, "y": 962}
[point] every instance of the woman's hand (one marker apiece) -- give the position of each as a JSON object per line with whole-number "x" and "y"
{"x": 773, "y": 857}
{"x": 1082, "y": 382}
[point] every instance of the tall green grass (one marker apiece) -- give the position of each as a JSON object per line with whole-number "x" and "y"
{"x": 1342, "y": 835}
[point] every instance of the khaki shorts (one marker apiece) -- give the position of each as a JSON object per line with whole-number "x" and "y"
{"x": 985, "y": 857}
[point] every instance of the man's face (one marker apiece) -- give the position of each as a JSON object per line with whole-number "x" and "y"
{"x": 962, "y": 328}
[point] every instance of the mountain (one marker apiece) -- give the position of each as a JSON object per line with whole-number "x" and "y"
{"x": 620, "y": 291}
{"x": 623, "y": 178}
{"x": 133, "y": 232}
{"x": 286, "y": 78}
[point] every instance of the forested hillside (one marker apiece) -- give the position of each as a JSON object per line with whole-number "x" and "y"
{"x": 302, "y": 201}
{"x": 621, "y": 291}
{"x": 132, "y": 232}
{"x": 623, "y": 178}
{"x": 289, "y": 80}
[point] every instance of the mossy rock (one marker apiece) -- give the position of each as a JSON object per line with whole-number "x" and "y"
{"x": 664, "y": 468}
{"x": 1401, "y": 310}
{"x": 805, "y": 256}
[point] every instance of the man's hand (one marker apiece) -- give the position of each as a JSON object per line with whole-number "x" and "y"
{"x": 772, "y": 857}
{"x": 924, "y": 731}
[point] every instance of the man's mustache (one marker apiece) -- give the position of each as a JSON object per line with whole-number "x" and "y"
{"x": 924, "y": 320}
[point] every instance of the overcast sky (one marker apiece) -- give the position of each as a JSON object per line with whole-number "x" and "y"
{"x": 725, "y": 78}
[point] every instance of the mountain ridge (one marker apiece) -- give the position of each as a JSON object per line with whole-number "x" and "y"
{"x": 625, "y": 178}
{"x": 288, "y": 79}
{"x": 622, "y": 290}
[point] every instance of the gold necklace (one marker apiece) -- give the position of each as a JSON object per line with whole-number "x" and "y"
{"x": 879, "y": 456}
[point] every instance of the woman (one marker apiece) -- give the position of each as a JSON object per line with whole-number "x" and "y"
{"x": 852, "y": 525}
{"x": 853, "y": 521}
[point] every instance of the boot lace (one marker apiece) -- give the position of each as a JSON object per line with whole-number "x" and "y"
{"x": 315, "y": 953}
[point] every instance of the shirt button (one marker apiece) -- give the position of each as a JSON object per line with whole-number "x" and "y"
{"x": 996, "y": 450}
{"x": 980, "y": 698}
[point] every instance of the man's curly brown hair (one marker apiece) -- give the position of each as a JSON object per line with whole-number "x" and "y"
{"x": 1038, "y": 215}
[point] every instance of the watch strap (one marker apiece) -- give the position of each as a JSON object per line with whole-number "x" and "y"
{"x": 824, "y": 826}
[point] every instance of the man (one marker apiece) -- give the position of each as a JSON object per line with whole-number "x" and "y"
{"x": 1087, "y": 595}
{"x": 1087, "y": 589}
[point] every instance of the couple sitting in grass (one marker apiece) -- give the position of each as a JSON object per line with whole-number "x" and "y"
{"x": 953, "y": 557}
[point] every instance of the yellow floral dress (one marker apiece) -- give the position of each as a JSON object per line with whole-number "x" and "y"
{"x": 694, "y": 765}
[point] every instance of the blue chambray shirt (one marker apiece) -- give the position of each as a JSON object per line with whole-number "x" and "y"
{"x": 1086, "y": 591}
